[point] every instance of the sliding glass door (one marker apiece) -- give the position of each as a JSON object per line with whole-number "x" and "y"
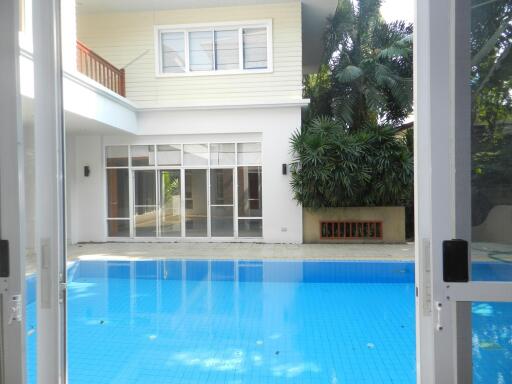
{"x": 222, "y": 202}
{"x": 145, "y": 207}
{"x": 196, "y": 203}
{"x": 170, "y": 203}
{"x": 174, "y": 191}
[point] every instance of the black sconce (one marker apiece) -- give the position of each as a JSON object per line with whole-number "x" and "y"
{"x": 87, "y": 171}
{"x": 285, "y": 169}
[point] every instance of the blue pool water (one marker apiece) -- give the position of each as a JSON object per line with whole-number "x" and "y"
{"x": 253, "y": 322}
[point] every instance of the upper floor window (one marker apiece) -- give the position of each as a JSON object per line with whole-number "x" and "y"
{"x": 215, "y": 49}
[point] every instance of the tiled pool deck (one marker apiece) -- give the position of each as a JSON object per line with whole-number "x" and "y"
{"x": 245, "y": 251}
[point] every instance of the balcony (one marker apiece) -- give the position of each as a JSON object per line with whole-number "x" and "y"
{"x": 100, "y": 70}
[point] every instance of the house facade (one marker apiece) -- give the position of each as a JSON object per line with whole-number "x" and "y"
{"x": 179, "y": 116}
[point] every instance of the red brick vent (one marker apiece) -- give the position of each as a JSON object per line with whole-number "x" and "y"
{"x": 350, "y": 230}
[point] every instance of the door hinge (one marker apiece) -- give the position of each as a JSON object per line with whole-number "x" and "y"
{"x": 15, "y": 309}
{"x": 62, "y": 291}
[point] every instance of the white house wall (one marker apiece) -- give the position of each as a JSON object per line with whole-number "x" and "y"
{"x": 123, "y": 37}
{"x": 282, "y": 216}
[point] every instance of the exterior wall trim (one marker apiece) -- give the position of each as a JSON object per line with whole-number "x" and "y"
{"x": 231, "y": 105}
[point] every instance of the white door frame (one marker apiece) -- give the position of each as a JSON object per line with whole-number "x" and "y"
{"x": 442, "y": 191}
{"x": 12, "y": 198}
{"x": 50, "y": 196}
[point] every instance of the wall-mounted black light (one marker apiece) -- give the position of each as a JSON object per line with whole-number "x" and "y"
{"x": 285, "y": 169}
{"x": 87, "y": 171}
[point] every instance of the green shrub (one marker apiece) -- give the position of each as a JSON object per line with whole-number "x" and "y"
{"x": 334, "y": 167}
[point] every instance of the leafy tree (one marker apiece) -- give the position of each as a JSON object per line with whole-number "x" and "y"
{"x": 348, "y": 152}
{"x": 491, "y": 84}
{"x": 367, "y": 77}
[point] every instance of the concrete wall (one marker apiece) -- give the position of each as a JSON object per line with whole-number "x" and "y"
{"x": 282, "y": 217}
{"x": 497, "y": 227}
{"x": 392, "y": 218}
{"x": 123, "y": 37}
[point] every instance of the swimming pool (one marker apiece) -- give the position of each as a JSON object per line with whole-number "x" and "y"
{"x": 197, "y": 321}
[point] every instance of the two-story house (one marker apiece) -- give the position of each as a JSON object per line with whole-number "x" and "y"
{"x": 179, "y": 116}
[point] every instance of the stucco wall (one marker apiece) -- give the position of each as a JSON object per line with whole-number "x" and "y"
{"x": 392, "y": 218}
{"x": 122, "y": 37}
{"x": 282, "y": 217}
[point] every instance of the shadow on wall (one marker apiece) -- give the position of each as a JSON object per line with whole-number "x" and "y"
{"x": 497, "y": 227}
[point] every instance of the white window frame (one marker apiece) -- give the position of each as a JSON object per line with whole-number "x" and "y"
{"x": 182, "y": 168}
{"x": 212, "y": 27}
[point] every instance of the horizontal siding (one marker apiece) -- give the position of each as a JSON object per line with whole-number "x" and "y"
{"x": 121, "y": 37}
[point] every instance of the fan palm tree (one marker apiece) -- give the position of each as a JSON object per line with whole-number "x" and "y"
{"x": 370, "y": 66}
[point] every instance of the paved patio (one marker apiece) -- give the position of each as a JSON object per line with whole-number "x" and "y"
{"x": 245, "y": 251}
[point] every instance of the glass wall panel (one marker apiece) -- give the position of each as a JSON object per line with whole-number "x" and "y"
{"x": 118, "y": 228}
{"x": 491, "y": 140}
{"x": 221, "y": 186}
{"x": 145, "y": 203}
{"x": 196, "y": 205}
{"x": 249, "y": 192}
{"x": 249, "y": 153}
{"x": 195, "y": 154}
{"x": 118, "y": 193}
{"x": 117, "y": 156}
{"x": 170, "y": 203}
{"x": 222, "y": 154}
{"x": 143, "y": 155}
{"x": 169, "y": 155}
{"x": 226, "y": 50}
{"x": 222, "y": 221}
{"x": 201, "y": 51}
{"x": 255, "y": 48}
{"x": 250, "y": 228}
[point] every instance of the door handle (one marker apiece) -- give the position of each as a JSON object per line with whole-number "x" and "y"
{"x": 4, "y": 258}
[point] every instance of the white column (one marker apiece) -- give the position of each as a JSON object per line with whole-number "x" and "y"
{"x": 442, "y": 181}
{"x": 50, "y": 199}
{"x": 12, "y": 225}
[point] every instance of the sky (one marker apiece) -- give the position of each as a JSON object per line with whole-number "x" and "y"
{"x": 398, "y": 10}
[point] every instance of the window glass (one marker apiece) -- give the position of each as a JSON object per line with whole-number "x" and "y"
{"x": 118, "y": 228}
{"x": 195, "y": 154}
{"x": 170, "y": 203}
{"x": 222, "y": 222}
{"x": 145, "y": 203}
{"x": 173, "y": 52}
{"x": 221, "y": 186}
{"x": 143, "y": 155}
{"x": 255, "y": 48}
{"x": 196, "y": 207}
{"x": 169, "y": 154}
{"x": 222, "y": 154}
{"x": 117, "y": 193}
{"x": 201, "y": 51}
{"x": 226, "y": 50}
{"x": 249, "y": 192}
{"x": 117, "y": 156}
{"x": 250, "y": 228}
{"x": 249, "y": 153}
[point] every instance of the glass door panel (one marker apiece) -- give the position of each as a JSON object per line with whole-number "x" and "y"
{"x": 170, "y": 203}
{"x": 222, "y": 203}
{"x": 196, "y": 204}
{"x": 145, "y": 207}
{"x": 491, "y": 140}
{"x": 492, "y": 342}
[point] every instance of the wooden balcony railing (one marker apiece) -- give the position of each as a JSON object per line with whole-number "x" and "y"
{"x": 100, "y": 70}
